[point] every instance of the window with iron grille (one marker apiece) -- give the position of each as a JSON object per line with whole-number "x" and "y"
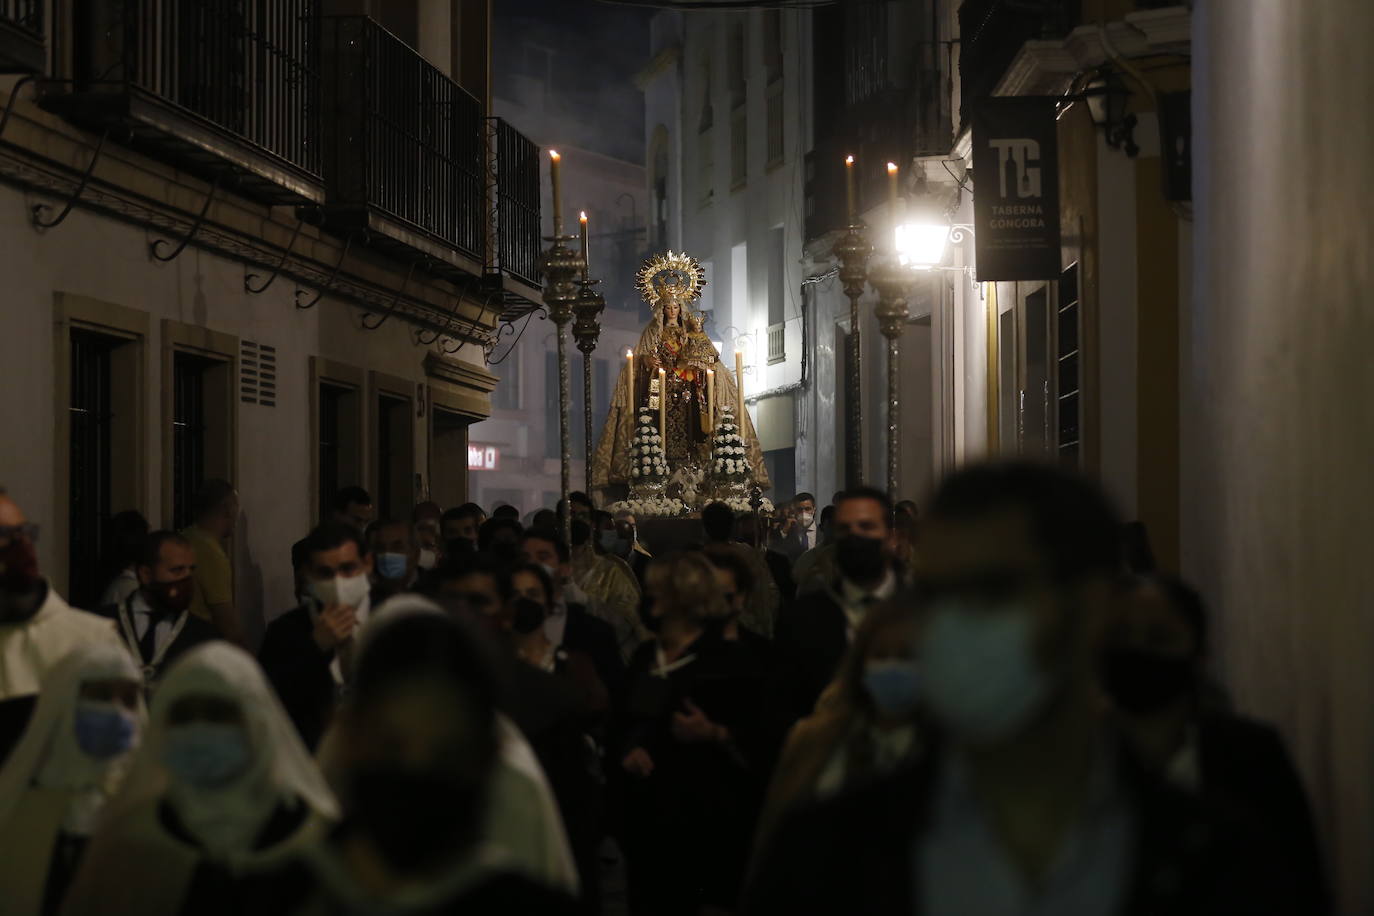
{"x": 1067, "y": 350}
{"x": 576, "y": 427}
{"x": 188, "y": 433}
{"x": 89, "y": 415}
{"x": 774, "y": 124}
{"x": 507, "y": 393}
{"x": 739, "y": 146}
{"x": 777, "y": 275}
{"x": 393, "y": 457}
{"x": 738, "y": 63}
{"x": 331, "y": 445}
{"x": 865, "y": 53}
{"x": 772, "y": 45}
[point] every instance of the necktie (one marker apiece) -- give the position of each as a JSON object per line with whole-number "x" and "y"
{"x": 147, "y": 643}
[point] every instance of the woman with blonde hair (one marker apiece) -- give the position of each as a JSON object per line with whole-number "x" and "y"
{"x": 866, "y": 723}
{"x": 690, "y": 783}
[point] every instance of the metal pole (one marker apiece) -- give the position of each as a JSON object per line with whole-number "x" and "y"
{"x": 854, "y": 439}
{"x": 587, "y": 416}
{"x": 894, "y": 414}
{"x": 853, "y": 251}
{"x": 564, "y": 433}
{"x": 892, "y": 280}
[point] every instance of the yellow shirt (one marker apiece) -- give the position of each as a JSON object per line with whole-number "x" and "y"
{"x": 214, "y": 574}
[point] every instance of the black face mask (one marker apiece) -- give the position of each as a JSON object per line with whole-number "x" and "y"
{"x": 457, "y": 547}
{"x": 529, "y": 616}
{"x": 417, "y": 819}
{"x": 860, "y": 559}
{"x": 1141, "y": 682}
{"x": 646, "y": 614}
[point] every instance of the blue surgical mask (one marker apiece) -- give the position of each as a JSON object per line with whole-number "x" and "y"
{"x": 392, "y": 565}
{"x": 981, "y": 677}
{"x": 206, "y": 755}
{"x": 894, "y": 687}
{"x": 612, "y": 542}
{"x": 104, "y": 730}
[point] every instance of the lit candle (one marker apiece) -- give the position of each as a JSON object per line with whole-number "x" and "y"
{"x": 739, "y": 391}
{"x": 663, "y": 409}
{"x": 556, "y": 177}
{"x": 630, "y": 384}
{"x": 586, "y": 260}
{"x": 711, "y": 400}
{"x": 892, "y": 186}
{"x": 849, "y": 189}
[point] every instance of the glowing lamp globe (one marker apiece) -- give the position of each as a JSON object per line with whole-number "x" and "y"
{"x": 921, "y": 245}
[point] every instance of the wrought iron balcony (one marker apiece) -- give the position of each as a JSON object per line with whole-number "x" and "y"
{"x": 21, "y": 36}
{"x": 403, "y": 149}
{"x": 991, "y": 32}
{"x": 227, "y": 89}
{"x": 515, "y": 161}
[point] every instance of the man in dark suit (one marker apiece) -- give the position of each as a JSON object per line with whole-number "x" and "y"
{"x": 307, "y": 652}
{"x": 155, "y": 621}
{"x": 1022, "y": 798}
{"x": 804, "y": 533}
{"x": 814, "y": 631}
{"x": 1154, "y": 671}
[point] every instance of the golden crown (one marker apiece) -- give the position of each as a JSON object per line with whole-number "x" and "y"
{"x": 672, "y": 276}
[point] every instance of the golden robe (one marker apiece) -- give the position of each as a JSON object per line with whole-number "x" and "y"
{"x": 682, "y": 359}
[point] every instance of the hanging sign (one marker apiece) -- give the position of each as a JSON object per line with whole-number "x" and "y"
{"x": 1016, "y": 189}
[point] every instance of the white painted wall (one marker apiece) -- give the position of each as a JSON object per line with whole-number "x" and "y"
{"x": 1278, "y": 445}
{"x": 90, "y": 255}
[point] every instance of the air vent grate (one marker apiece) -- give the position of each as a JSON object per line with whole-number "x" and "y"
{"x": 257, "y": 374}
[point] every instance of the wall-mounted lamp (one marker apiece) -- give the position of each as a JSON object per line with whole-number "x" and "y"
{"x": 1107, "y": 95}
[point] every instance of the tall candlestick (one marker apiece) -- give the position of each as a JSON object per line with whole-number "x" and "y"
{"x": 556, "y": 177}
{"x": 892, "y": 186}
{"x": 630, "y": 387}
{"x": 586, "y": 260}
{"x": 711, "y": 400}
{"x": 663, "y": 409}
{"x": 849, "y": 189}
{"x": 739, "y": 391}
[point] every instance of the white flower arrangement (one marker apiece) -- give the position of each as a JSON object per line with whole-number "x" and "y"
{"x": 741, "y": 504}
{"x": 647, "y": 460}
{"x": 729, "y": 459}
{"x": 650, "y": 507}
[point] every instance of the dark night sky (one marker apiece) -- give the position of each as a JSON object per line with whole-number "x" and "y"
{"x": 598, "y": 48}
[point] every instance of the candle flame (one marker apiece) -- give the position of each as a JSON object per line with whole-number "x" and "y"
{"x": 583, "y": 217}
{"x": 629, "y": 352}
{"x": 553, "y": 154}
{"x": 892, "y": 168}
{"x": 848, "y": 160}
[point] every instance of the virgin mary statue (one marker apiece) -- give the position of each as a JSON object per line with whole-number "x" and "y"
{"x": 672, "y": 341}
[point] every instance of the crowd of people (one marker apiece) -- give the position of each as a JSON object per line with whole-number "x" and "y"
{"x": 994, "y": 707}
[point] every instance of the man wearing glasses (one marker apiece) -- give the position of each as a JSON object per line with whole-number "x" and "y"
{"x": 37, "y": 628}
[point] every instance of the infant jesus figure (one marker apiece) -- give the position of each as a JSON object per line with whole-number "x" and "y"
{"x": 698, "y": 355}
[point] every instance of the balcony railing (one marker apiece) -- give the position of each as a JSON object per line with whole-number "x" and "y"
{"x": 403, "y": 143}
{"x": 515, "y": 167}
{"x": 218, "y": 86}
{"x": 21, "y": 36}
{"x": 991, "y": 33}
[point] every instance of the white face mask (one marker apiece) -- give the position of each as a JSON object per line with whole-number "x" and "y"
{"x": 980, "y": 675}
{"x": 348, "y": 592}
{"x": 806, "y": 518}
{"x": 428, "y": 559}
